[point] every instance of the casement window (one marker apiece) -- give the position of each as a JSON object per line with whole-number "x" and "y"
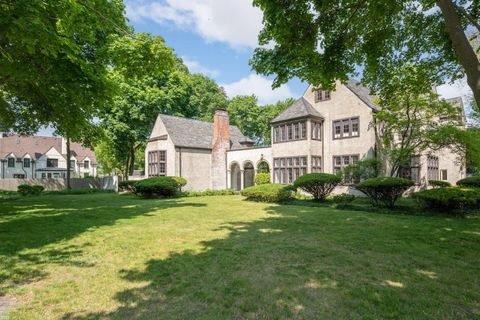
{"x": 444, "y": 175}
{"x": 72, "y": 164}
{"x": 412, "y": 171}
{"x": 86, "y": 164}
{"x": 316, "y": 164}
{"x": 432, "y": 168}
{"x": 346, "y": 128}
{"x": 340, "y": 162}
{"x": 52, "y": 163}
{"x": 26, "y": 162}
{"x": 322, "y": 95}
{"x": 157, "y": 163}
{"x": 11, "y": 162}
{"x": 317, "y": 130}
{"x": 289, "y": 132}
{"x": 287, "y": 170}
{"x": 18, "y": 176}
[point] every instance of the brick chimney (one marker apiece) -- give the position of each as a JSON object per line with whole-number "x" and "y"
{"x": 220, "y": 145}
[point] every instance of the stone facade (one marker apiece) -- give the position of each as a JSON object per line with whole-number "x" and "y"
{"x": 321, "y": 132}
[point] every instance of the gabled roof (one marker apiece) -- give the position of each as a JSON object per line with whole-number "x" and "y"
{"x": 299, "y": 109}
{"x": 363, "y": 93}
{"x": 192, "y": 133}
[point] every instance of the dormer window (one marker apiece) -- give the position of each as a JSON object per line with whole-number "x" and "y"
{"x": 321, "y": 95}
{"x": 11, "y": 162}
{"x": 86, "y": 164}
{"x": 26, "y": 162}
{"x": 52, "y": 163}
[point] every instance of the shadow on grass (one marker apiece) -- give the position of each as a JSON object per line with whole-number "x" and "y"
{"x": 30, "y": 225}
{"x": 311, "y": 263}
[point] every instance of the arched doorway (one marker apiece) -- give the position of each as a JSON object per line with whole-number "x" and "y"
{"x": 235, "y": 179}
{"x": 263, "y": 167}
{"x": 248, "y": 174}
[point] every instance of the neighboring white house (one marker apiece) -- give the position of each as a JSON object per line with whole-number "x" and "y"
{"x": 43, "y": 157}
{"x": 321, "y": 132}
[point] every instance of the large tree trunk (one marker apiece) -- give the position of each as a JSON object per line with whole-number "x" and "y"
{"x": 68, "y": 163}
{"x": 463, "y": 48}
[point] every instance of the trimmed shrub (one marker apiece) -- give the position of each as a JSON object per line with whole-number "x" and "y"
{"x": 319, "y": 185}
{"x": 470, "y": 182}
{"x": 208, "y": 192}
{"x": 451, "y": 200}
{"x": 157, "y": 187}
{"x": 79, "y": 191}
{"x": 27, "y": 190}
{"x": 181, "y": 181}
{"x": 268, "y": 193}
{"x": 362, "y": 170}
{"x": 439, "y": 183}
{"x": 127, "y": 185}
{"x": 343, "y": 198}
{"x": 262, "y": 178}
{"x": 384, "y": 190}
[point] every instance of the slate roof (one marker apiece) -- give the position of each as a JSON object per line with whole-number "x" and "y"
{"x": 299, "y": 109}
{"x": 363, "y": 93}
{"x": 36, "y": 146}
{"x": 192, "y": 133}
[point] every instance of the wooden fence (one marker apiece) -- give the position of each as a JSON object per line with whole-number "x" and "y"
{"x": 105, "y": 183}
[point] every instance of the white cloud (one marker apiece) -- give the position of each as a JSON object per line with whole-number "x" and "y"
{"x": 456, "y": 89}
{"x": 196, "y": 67}
{"x": 235, "y": 22}
{"x": 260, "y": 87}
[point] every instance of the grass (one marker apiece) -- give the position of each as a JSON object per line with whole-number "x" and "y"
{"x": 104, "y": 256}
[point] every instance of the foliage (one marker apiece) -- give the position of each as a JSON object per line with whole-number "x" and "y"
{"x": 343, "y": 198}
{"x": 439, "y": 183}
{"x": 226, "y": 192}
{"x": 362, "y": 169}
{"x": 78, "y": 191}
{"x": 180, "y": 181}
{"x": 471, "y": 136}
{"x": 319, "y": 185}
{"x": 127, "y": 185}
{"x": 450, "y": 200}
{"x": 53, "y": 62}
{"x": 156, "y": 187}
{"x": 268, "y": 193}
{"x": 254, "y": 120}
{"x": 470, "y": 182}
{"x": 262, "y": 178}
{"x": 384, "y": 190}
{"x": 28, "y": 190}
{"x": 322, "y": 41}
{"x": 413, "y": 120}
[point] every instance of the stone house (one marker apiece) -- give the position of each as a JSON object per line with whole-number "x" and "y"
{"x": 322, "y": 131}
{"x": 43, "y": 157}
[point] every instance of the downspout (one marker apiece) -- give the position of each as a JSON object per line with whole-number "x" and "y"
{"x": 23, "y": 169}
{"x": 180, "y": 160}
{"x": 3, "y": 169}
{"x": 323, "y": 146}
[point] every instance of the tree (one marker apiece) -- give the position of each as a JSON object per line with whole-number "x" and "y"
{"x": 472, "y": 145}
{"x": 254, "y": 120}
{"x": 413, "y": 120}
{"x": 322, "y": 41}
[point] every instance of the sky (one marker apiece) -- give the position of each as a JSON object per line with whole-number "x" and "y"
{"x": 217, "y": 38}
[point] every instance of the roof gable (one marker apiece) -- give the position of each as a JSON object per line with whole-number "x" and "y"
{"x": 299, "y": 109}
{"x": 363, "y": 93}
{"x": 193, "y": 133}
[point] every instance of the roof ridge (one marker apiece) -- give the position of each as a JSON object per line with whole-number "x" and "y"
{"x": 193, "y": 119}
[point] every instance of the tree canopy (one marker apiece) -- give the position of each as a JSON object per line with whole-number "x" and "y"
{"x": 322, "y": 41}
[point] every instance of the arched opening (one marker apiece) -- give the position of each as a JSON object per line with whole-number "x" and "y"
{"x": 248, "y": 174}
{"x": 235, "y": 179}
{"x": 263, "y": 167}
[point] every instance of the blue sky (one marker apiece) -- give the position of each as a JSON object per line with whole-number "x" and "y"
{"x": 217, "y": 38}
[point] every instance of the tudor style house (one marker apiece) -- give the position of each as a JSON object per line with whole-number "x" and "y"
{"x": 321, "y": 132}
{"x": 43, "y": 157}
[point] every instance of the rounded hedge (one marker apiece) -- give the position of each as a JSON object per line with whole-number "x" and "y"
{"x": 319, "y": 185}
{"x": 127, "y": 185}
{"x": 157, "y": 187}
{"x": 451, "y": 200}
{"x": 268, "y": 193}
{"x": 343, "y": 198}
{"x": 27, "y": 190}
{"x": 180, "y": 180}
{"x": 470, "y": 182}
{"x": 384, "y": 190}
{"x": 262, "y": 178}
{"x": 439, "y": 183}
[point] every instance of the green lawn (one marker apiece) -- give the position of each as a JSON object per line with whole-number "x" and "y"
{"x": 106, "y": 256}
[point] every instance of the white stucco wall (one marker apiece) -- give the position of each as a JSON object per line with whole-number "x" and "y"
{"x": 195, "y": 166}
{"x": 167, "y": 145}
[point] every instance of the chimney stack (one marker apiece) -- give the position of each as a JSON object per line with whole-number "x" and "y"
{"x": 220, "y": 145}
